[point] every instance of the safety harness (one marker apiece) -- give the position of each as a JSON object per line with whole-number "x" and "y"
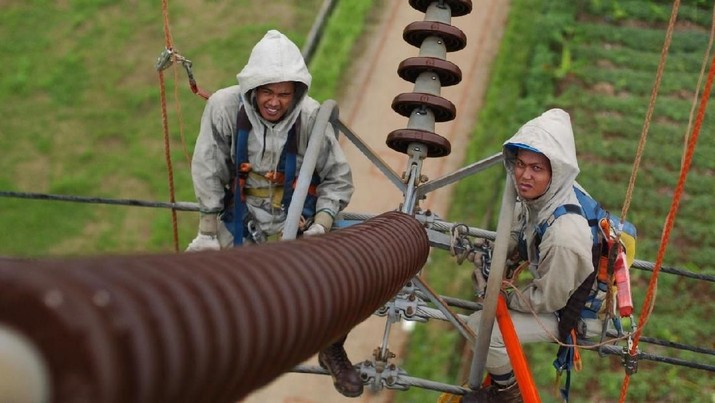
{"x": 570, "y": 314}
{"x": 236, "y": 215}
{"x": 583, "y": 303}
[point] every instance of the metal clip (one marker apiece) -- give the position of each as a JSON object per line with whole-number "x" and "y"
{"x": 630, "y": 361}
{"x": 404, "y": 305}
{"x": 164, "y": 60}
{"x": 379, "y": 375}
{"x": 460, "y": 245}
{"x": 255, "y": 233}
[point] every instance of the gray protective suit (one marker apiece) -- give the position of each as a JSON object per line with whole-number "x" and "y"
{"x": 274, "y": 59}
{"x": 564, "y": 259}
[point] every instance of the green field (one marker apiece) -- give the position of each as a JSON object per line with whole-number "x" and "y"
{"x": 598, "y": 60}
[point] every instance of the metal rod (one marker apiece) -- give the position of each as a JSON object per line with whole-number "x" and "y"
{"x": 452, "y": 317}
{"x": 459, "y": 174}
{"x": 372, "y": 156}
{"x": 486, "y": 324}
{"x": 327, "y": 113}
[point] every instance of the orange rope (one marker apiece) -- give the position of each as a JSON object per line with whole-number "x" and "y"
{"x": 700, "y": 80}
{"x": 165, "y": 125}
{"x": 180, "y": 117}
{"x": 670, "y": 219}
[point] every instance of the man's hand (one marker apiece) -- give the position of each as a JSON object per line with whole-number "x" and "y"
{"x": 204, "y": 242}
{"x": 315, "y": 229}
{"x": 207, "y": 238}
{"x": 322, "y": 222}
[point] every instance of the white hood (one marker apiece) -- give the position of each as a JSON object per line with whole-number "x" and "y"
{"x": 274, "y": 59}
{"x": 552, "y": 135}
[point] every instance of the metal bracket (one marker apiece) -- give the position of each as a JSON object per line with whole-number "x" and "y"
{"x": 379, "y": 375}
{"x": 403, "y": 306}
{"x": 630, "y": 361}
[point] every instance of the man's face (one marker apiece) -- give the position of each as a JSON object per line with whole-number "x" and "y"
{"x": 532, "y": 172}
{"x": 275, "y": 99}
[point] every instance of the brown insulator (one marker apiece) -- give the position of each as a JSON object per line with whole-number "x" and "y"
{"x": 457, "y": 7}
{"x": 449, "y": 73}
{"x": 443, "y": 109}
{"x": 205, "y": 326}
{"x": 437, "y": 146}
{"x": 453, "y": 38}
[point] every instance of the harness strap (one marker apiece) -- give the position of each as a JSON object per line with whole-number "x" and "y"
{"x": 564, "y": 362}
{"x": 287, "y": 167}
{"x": 242, "y": 168}
{"x": 558, "y": 212}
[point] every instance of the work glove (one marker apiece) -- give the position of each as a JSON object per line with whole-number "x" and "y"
{"x": 207, "y": 238}
{"x": 322, "y": 222}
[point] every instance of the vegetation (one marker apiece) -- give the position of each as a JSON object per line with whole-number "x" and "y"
{"x": 598, "y": 60}
{"x": 81, "y": 116}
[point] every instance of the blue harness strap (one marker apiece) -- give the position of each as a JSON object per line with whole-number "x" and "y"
{"x": 243, "y": 127}
{"x": 570, "y": 314}
{"x": 289, "y": 165}
{"x": 564, "y": 362}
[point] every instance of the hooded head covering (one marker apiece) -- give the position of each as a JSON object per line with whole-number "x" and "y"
{"x": 274, "y": 59}
{"x": 550, "y": 134}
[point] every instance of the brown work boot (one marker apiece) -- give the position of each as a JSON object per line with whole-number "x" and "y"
{"x": 346, "y": 378}
{"x": 494, "y": 394}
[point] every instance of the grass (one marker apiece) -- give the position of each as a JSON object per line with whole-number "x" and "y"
{"x": 81, "y": 116}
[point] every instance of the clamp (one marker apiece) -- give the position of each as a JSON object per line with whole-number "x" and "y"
{"x": 166, "y": 59}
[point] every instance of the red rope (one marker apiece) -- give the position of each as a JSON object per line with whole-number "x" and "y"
{"x": 670, "y": 219}
{"x": 165, "y": 125}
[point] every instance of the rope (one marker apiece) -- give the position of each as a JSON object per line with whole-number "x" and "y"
{"x": 649, "y": 113}
{"x": 700, "y": 81}
{"x": 179, "y": 116}
{"x": 670, "y": 219}
{"x": 165, "y": 126}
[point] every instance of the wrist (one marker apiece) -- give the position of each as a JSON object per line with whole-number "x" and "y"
{"x": 324, "y": 219}
{"x": 208, "y": 224}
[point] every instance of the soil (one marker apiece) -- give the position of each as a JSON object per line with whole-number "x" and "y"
{"x": 365, "y": 109}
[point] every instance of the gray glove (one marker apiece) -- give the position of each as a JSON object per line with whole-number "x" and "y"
{"x": 204, "y": 242}
{"x": 322, "y": 222}
{"x": 315, "y": 229}
{"x": 207, "y": 238}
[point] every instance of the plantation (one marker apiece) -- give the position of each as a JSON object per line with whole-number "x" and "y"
{"x": 598, "y": 60}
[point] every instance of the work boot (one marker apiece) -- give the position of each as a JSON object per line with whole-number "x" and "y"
{"x": 494, "y": 394}
{"x": 346, "y": 378}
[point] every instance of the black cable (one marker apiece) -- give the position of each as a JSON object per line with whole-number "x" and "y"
{"x": 671, "y": 344}
{"x": 183, "y": 206}
{"x": 648, "y": 266}
{"x": 615, "y": 350}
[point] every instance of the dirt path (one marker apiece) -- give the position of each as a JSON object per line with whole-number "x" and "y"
{"x": 366, "y": 110}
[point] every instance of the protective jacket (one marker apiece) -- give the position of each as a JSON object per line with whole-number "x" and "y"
{"x": 274, "y": 59}
{"x": 563, "y": 260}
